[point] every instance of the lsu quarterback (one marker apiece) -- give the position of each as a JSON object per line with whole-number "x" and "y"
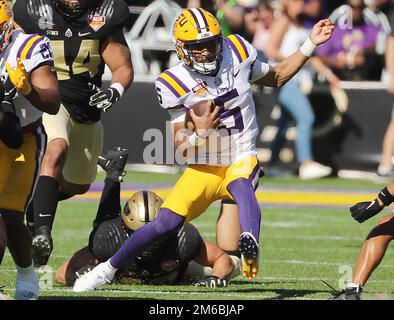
{"x": 217, "y": 73}
{"x": 30, "y": 90}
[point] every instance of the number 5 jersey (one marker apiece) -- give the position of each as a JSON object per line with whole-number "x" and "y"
{"x": 179, "y": 88}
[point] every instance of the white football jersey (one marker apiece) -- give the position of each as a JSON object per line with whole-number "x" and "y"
{"x": 34, "y": 51}
{"x": 230, "y": 89}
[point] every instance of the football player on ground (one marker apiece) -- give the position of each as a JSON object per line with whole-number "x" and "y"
{"x": 30, "y": 90}
{"x": 219, "y": 71}
{"x": 164, "y": 262}
{"x": 85, "y": 35}
{"x": 376, "y": 243}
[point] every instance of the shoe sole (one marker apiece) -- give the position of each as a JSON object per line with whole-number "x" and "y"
{"x": 42, "y": 250}
{"x": 250, "y": 255}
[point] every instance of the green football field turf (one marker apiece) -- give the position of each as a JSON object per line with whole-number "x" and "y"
{"x": 299, "y": 246}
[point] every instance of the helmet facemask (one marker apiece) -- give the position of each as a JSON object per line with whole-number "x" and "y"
{"x": 203, "y": 56}
{"x": 73, "y": 9}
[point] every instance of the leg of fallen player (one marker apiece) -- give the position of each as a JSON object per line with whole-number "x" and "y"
{"x": 228, "y": 229}
{"x": 249, "y": 216}
{"x": 19, "y": 245}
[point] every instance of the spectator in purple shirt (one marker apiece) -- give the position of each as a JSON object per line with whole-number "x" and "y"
{"x": 351, "y": 52}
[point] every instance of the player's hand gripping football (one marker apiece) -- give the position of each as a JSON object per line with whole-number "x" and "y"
{"x": 103, "y": 99}
{"x": 362, "y": 211}
{"x": 208, "y": 120}
{"x": 19, "y": 77}
{"x": 321, "y": 32}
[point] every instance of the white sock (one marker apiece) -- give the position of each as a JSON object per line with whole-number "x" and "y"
{"x": 109, "y": 269}
{"x": 354, "y": 285}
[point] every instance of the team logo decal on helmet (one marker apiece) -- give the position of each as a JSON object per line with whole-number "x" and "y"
{"x": 195, "y": 30}
{"x": 6, "y": 24}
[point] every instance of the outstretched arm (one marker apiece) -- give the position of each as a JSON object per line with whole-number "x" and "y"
{"x": 280, "y": 74}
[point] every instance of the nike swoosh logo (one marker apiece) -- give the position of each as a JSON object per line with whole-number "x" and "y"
{"x": 83, "y": 34}
{"x": 235, "y": 74}
{"x": 44, "y": 215}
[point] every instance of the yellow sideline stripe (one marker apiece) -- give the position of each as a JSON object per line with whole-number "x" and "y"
{"x": 276, "y": 197}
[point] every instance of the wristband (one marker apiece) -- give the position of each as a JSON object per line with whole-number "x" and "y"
{"x": 386, "y": 197}
{"x": 308, "y": 48}
{"x": 195, "y": 140}
{"x": 118, "y": 87}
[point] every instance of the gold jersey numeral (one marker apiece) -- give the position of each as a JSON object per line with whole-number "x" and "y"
{"x": 87, "y": 60}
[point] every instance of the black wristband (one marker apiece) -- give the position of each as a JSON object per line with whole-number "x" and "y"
{"x": 386, "y": 197}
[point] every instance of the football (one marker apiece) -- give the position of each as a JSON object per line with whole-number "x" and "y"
{"x": 199, "y": 108}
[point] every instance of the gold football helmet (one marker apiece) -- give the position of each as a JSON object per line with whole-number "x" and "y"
{"x": 141, "y": 208}
{"x": 198, "y": 40}
{"x": 6, "y": 23}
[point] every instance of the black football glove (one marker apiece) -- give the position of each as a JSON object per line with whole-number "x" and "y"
{"x": 211, "y": 282}
{"x": 103, "y": 99}
{"x": 362, "y": 211}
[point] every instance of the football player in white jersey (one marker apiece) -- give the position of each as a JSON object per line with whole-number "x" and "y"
{"x": 218, "y": 140}
{"x": 30, "y": 89}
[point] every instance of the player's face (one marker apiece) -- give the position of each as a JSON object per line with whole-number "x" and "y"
{"x": 203, "y": 52}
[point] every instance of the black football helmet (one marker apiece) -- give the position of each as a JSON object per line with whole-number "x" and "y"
{"x": 74, "y": 8}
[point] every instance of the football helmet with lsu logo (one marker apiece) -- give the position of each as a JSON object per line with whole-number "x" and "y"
{"x": 198, "y": 41}
{"x": 6, "y": 24}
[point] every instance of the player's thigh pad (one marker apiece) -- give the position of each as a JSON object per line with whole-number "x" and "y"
{"x": 86, "y": 144}
{"x": 23, "y": 172}
{"x": 195, "y": 190}
{"x": 58, "y": 125}
{"x": 248, "y": 168}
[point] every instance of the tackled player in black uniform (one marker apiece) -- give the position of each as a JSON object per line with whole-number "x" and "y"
{"x": 168, "y": 261}
{"x": 85, "y": 36}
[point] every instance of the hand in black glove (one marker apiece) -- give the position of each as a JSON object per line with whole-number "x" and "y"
{"x": 362, "y": 211}
{"x": 103, "y": 99}
{"x": 211, "y": 282}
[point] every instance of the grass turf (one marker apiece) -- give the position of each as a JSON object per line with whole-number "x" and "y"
{"x": 299, "y": 246}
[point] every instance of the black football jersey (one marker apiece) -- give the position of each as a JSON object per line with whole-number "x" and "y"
{"x": 163, "y": 262}
{"x": 76, "y": 44}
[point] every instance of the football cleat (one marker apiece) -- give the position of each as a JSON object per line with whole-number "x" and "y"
{"x": 27, "y": 289}
{"x": 249, "y": 249}
{"x": 91, "y": 280}
{"x": 113, "y": 163}
{"x": 42, "y": 247}
{"x": 351, "y": 293}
